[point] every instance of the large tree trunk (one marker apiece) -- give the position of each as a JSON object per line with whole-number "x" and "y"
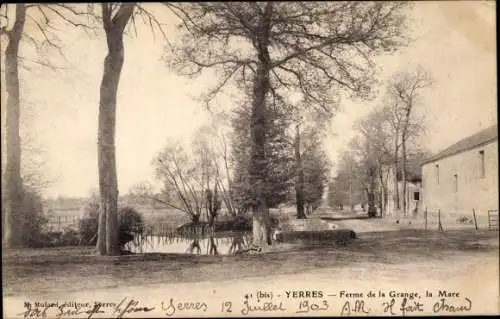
{"x": 258, "y": 128}
{"x": 397, "y": 205}
{"x": 383, "y": 192}
{"x": 258, "y": 161}
{"x": 403, "y": 172}
{"x": 351, "y": 203}
{"x": 107, "y": 239}
{"x": 386, "y": 196}
{"x": 372, "y": 210}
{"x": 108, "y": 185}
{"x": 299, "y": 178}
{"x": 12, "y": 178}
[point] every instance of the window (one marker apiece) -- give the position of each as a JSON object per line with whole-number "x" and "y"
{"x": 481, "y": 164}
{"x": 416, "y": 196}
{"x": 437, "y": 174}
{"x": 455, "y": 183}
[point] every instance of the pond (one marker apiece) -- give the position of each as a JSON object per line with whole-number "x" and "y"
{"x": 215, "y": 245}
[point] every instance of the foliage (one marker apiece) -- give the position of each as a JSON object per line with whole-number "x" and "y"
{"x": 87, "y": 227}
{"x": 316, "y": 48}
{"x": 280, "y": 160}
{"x": 273, "y": 50}
{"x": 32, "y": 219}
{"x": 129, "y": 219}
{"x": 67, "y": 237}
{"x": 316, "y": 169}
{"x": 346, "y": 187}
{"x": 376, "y": 149}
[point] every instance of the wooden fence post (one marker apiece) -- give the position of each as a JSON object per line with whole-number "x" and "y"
{"x": 474, "y": 214}
{"x": 425, "y": 214}
{"x": 439, "y": 220}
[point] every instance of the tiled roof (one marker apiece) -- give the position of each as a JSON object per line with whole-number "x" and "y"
{"x": 480, "y": 138}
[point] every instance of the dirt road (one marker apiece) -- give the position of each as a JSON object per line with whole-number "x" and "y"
{"x": 465, "y": 264}
{"x": 457, "y": 275}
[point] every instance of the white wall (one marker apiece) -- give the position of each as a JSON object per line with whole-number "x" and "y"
{"x": 473, "y": 191}
{"x": 411, "y": 188}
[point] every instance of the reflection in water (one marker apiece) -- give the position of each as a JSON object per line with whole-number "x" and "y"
{"x": 195, "y": 245}
{"x": 214, "y": 245}
{"x": 237, "y": 244}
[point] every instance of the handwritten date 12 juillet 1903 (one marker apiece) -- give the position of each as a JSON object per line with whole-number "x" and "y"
{"x": 289, "y": 302}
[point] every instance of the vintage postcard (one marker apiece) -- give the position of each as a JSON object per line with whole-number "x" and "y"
{"x": 249, "y": 159}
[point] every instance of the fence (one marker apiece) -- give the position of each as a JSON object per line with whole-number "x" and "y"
{"x": 433, "y": 213}
{"x": 440, "y": 220}
{"x": 156, "y": 227}
{"x": 60, "y": 223}
{"x": 493, "y": 219}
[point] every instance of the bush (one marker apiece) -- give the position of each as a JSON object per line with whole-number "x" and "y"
{"x": 129, "y": 220}
{"x": 32, "y": 219}
{"x": 87, "y": 227}
{"x": 68, "y": 237}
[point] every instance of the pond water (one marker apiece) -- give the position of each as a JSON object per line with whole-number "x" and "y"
{"x": 224, "y": 244}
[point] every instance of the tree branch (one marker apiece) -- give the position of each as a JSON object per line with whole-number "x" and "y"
{"x": 153, "y": 22}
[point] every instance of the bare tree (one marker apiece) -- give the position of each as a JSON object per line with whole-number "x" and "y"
{"x": 299, "y": 178}
{"x": 211, "y": 181}
{"x": 13, "y": 182}
{"x": 115, "y": 17}
{"x": 194, "y": 180}
{"x": 311, "y": 165}
{"x": 41, "y": 35}
{"x": 375, "y": 134}
{"x": 226, "y": 182}
{"x": 33, "y": 161}
{"x": 395, "y": 120}
{"x": 405, "y": 90}
{"x": 347, "y": 185}
{"x": 183, "y": 179}
{"x": 191, "y": 178}
{"x": 114, "y": 26}
{"x": 367, "y": 163}
{"x": 316, "y": 48}
{"x": 316, "y": 170}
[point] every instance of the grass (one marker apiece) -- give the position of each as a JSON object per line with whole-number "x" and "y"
{"x": 31, "y": 271}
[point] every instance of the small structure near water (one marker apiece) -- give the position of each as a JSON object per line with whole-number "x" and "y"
{"x": 312, "y": 231}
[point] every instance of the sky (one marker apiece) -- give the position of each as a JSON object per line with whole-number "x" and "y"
{"x": 454, "y": 41}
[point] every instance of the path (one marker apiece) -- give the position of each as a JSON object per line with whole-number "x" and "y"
{"x": 356, "y": 222}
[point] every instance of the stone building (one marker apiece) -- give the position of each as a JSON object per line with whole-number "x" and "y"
{"x": 413, "y": 194}
{"x": 464, "y": 176}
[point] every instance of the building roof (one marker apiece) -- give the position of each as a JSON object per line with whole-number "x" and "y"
{"x": 483, "y": 137}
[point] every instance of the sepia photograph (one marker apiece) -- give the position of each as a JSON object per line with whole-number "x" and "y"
{"x": 249, "y": 159}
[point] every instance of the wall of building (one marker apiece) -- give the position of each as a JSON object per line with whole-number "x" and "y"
{"x": 413, "y": 207}
{"x": 468, "y": 190}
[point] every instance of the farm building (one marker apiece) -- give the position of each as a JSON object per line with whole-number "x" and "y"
{"x": 464, "y": 176}
{"x": 413, "y": 192}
